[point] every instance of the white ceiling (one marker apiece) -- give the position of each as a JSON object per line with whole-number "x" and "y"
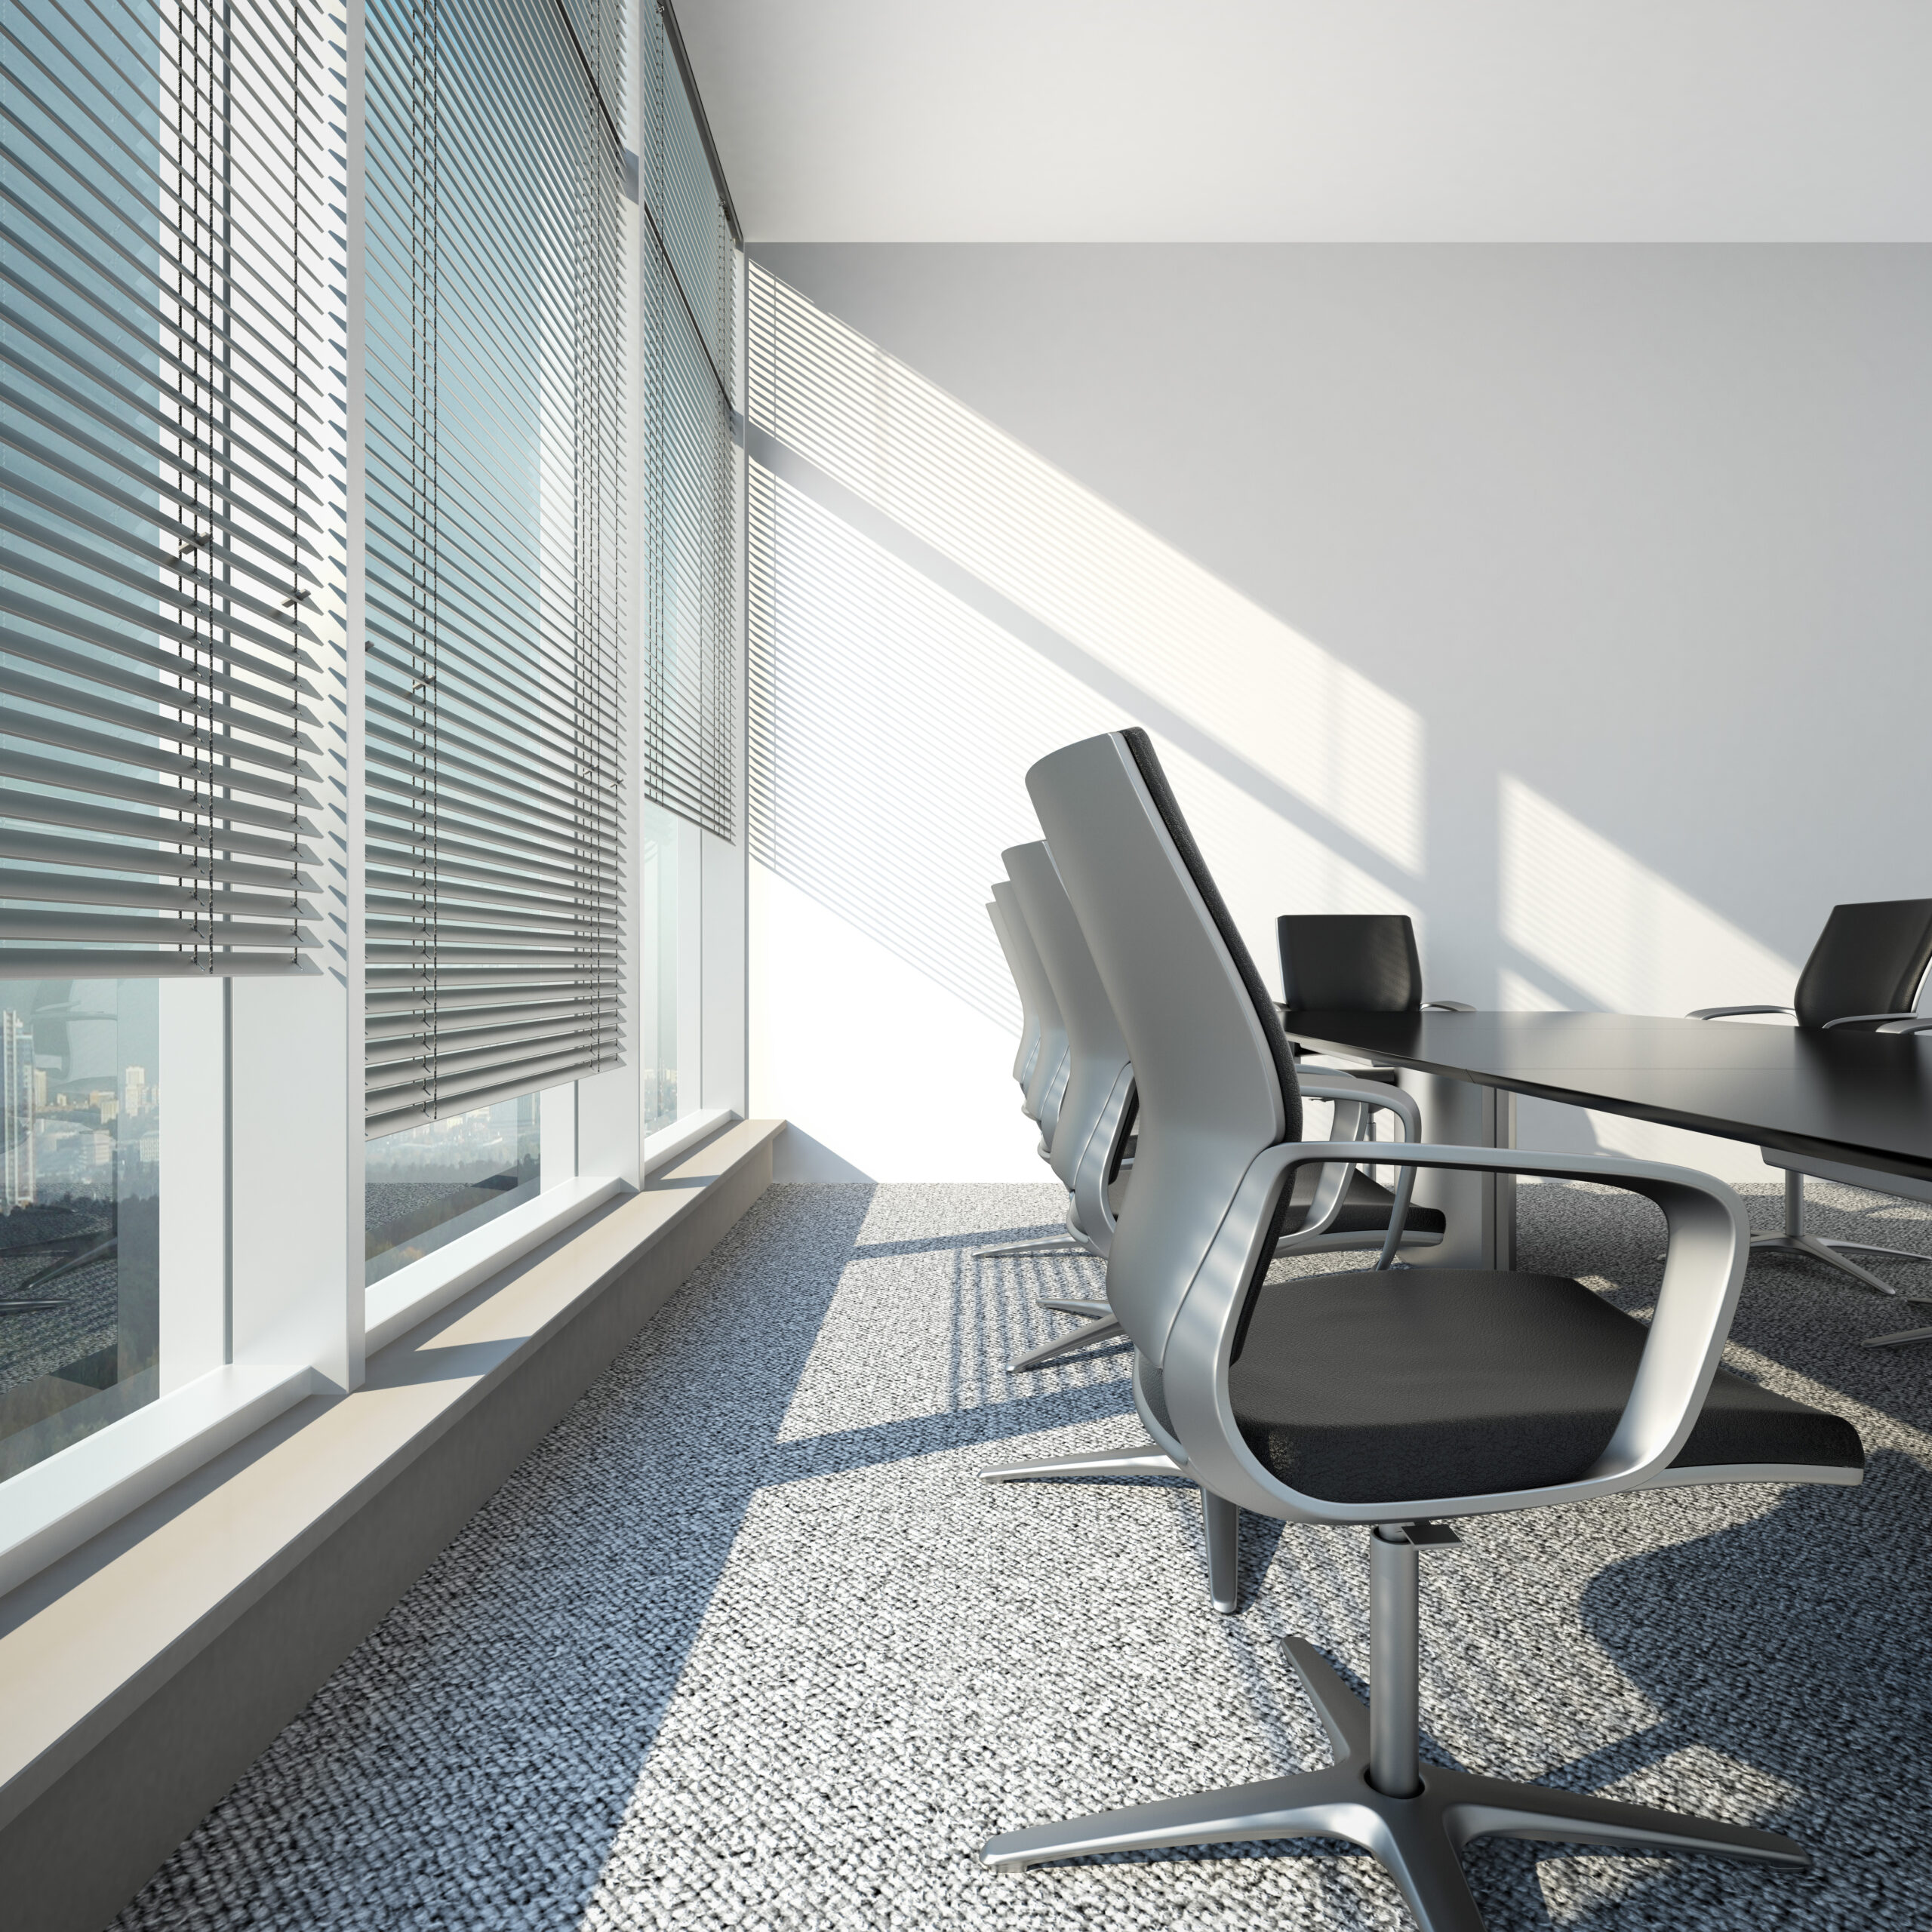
{"x": 1321, "y": 120}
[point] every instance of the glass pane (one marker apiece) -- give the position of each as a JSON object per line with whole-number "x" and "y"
{"x": 80, "y": 1206}
{"x": 427, "y": 1185}
{"x": 658, "y": 1048}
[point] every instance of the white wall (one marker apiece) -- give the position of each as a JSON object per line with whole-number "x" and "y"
{"x": 1573, "y": 600}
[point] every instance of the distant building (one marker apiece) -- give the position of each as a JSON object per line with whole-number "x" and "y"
{"x": 134, "y": 1090}
{"x": 18, "y": 1093}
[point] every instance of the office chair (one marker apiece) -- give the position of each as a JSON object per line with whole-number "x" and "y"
{"x": 1040, "y": 1102}
{"x": 1866, "y": 971}
{"x": 1335, "y": 1207}
{"x": 1046, "y": 1069}
{"x": 1358, "y": 962}
{"x": 1095, "y": 1103}
{"x": 1392, "y": 1401}
{"x": 1028, "y": 1049}
{"x": 1353, "y": 962}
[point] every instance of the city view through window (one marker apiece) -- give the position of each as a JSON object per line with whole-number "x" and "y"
{"x": 429, "y": 1184}
{"x": 80, "y": 1191}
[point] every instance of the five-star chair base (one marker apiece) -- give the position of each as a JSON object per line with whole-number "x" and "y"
{"x": 1413, "y": 1818}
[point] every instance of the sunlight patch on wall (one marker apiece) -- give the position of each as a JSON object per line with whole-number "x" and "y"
{"x": 1035, "y": 536}
{"x": 892, "y": 728}
{"x": 1623, "y": 938}
{"x": 1515, "y": 994}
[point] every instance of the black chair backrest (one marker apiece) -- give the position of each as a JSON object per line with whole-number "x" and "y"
{"x": 1348, "y": 962}
{"x": 1216, "y": 1079}
{"x": 1869, "y": 958}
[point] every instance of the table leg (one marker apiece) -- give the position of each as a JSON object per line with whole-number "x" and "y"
{"x": 1480, "y": 1209}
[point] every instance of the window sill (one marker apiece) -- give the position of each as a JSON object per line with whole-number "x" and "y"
{"x": 664, "y": 1146}
{"x": 56, "y": 1506}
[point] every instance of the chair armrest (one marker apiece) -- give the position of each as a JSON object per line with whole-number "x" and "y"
{"x": 1915, "y": 1025}
{"x": 1330, "y": 1196}
{"x": 1868, "y": 1019}
{"x": 1447, "y": 1006}
{"x": 1731, "y": 1012}
{"x": 1329, "y": 1086}
{"x": 1709, "y": 1240}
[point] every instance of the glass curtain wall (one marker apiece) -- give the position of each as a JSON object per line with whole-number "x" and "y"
{"x": 549, "y": 706}
{"x": 658, "y": 881}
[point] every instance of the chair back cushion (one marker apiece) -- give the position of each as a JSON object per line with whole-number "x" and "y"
{"x": 1211, "y": 1065}
{"x": 1348, "y": 962}
{"x": 1869, "y": 958}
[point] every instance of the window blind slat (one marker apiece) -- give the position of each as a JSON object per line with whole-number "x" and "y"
{"x": 84, "y": 675}
{"x": 62, "y": 888}
{"x": 26, "y": 923}
{"x": 40, "y": 849}
{"x": 92, "y": 745}
{"x": 86, "y": 703}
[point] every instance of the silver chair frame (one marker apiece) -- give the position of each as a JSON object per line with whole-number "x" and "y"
{"x": 1100, "y": 1092}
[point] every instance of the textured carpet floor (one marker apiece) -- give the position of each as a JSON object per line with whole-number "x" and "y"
{"x": 747, "y": 1643}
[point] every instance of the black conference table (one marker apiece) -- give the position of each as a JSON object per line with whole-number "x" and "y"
{"x": 1858, "y": 1101}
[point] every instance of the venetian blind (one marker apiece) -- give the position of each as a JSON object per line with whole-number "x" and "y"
{"x": 163, "y": 278}
{"x": 498, "y": 309}
{"x": 688, "y": 756}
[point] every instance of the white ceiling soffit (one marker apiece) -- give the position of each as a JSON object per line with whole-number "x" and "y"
{"x": 1321, "y": 120}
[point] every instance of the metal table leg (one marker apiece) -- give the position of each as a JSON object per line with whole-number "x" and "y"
{"x": 1480, "y": 1209}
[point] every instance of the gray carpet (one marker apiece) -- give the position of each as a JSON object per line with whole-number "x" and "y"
{"x": 747, "y": 1644}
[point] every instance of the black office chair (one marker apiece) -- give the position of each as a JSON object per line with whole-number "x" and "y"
{"x": 1358, "y": 962}
{"x": 1352, "y": 962}
{"x": 1386, "y": 1399}
{"x": 1865, "y": 973}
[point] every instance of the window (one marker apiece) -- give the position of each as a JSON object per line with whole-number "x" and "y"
{"x": 499, "y": 596}
{"x": 80, "y": 1166}
{"x": 165, "y": 612}
{"x": 428, "y": 1184}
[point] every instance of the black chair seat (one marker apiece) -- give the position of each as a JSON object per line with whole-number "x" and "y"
{"x": 1365, "y": 1207}
{"x": 1370, "y": 1387}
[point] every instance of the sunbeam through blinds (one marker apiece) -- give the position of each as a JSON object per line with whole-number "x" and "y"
{"x": 689, "y": 753}
{"x": 161, "y": 284}
{"x": 496, "y": 564}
